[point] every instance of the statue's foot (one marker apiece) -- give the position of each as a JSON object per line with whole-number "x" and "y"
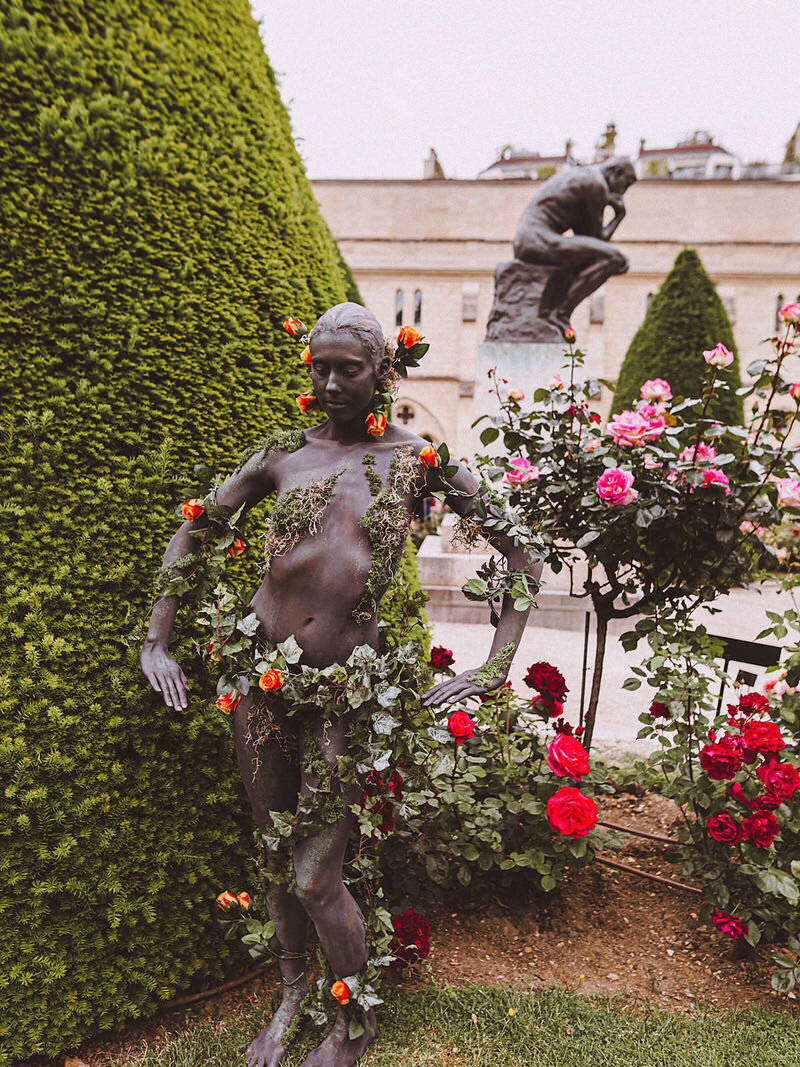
{"x": 338, "y": 1050}
{"x": 267, "y": 1050}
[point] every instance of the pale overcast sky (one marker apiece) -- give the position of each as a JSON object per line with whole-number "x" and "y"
{"x": 372, "y": 84}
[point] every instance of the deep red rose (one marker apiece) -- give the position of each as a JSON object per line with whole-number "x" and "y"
{"x": 375, "y": 800}
{"x": 441, "y": 658}
{"x": 781, "y": 779}
{"x": 738, "y": 794}
{"x": 460, "y": 726}
{"x": 412, "y": 938}
{"x": 763, "y": 736}
{"x": 548, "y": 681}
{"x": 719, "y": 762}
{"x": 724, "y": 828}
{"x": 730, "y": 925}
{"x": 735, "y": 742}
{"x": 551, "y": 709}
{"x": 754, "y": 703}
{"x": 567, "y": 758}
{"x": 564, "y": 727}
{"x": 571, "y": 813}
{"x": 660, "y": 710}
{"x": 761, "y": 828}
{"x": 767, "y": 800}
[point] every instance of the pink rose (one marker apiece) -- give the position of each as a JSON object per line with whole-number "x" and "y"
{"x": 714, "y": 476}
{"x": 516, "y": 394}
{"x": 567, "y": 758}
{"x": 657, "y": 390}
{"x": 615, "y": 486}
{"x": 719, "y": 356}
{"x": 705, "y": 454}
{"x": 794, "y": 390}
{"x": 789, "y": 492}
{"x": 790, "y": 313}
{"x": 523, "y": 471}
{"x": 556, "y": 382}
{"x": 629, "y": 428}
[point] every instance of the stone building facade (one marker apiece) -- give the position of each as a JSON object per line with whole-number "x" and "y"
{"x": 424, "y": 252}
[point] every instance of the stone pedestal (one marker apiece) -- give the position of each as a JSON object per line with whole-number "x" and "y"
{"x": 518, "y": 289}
{"x": 527, "y": 367}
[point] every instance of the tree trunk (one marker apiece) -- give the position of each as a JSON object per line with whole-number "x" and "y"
{"x": 597, "y": 677}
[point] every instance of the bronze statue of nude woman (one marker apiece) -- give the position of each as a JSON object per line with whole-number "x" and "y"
{"x": 317, "y": 588}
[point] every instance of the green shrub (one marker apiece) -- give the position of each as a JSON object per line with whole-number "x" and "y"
{"x": 403, "y": 605}
{"x": 686, "y": 317}
{"x": 157, "y": 228}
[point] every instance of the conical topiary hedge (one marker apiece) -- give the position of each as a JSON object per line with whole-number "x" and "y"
{"x": 686, "y": 317}
{"x": 157, "y": 226}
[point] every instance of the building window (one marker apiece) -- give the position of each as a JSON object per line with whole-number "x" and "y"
{"x": 778, "y": 305}
{"x": 649, "y": 301}
{"x": 417, "y": 307}
{"x": 469, "y": 302}
{"x": 398, "y": 307}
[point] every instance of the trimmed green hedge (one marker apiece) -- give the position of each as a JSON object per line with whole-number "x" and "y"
{"x": 157, "y": 228}
{"x": 686, "y": 317}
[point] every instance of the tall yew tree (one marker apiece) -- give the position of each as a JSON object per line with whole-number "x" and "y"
{"x": 156, "y": 226}
{"x": 686, "y": 318}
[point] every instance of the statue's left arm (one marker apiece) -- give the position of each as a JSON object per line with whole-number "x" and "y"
{"x": 512, "y": 620}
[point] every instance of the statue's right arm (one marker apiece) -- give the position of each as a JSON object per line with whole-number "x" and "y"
{"x": 247, "y": 486}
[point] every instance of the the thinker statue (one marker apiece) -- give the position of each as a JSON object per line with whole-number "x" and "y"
{"x": 536, "y": 293}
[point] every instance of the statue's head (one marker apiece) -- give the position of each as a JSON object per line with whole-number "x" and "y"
{"x": 619, "y": 173}
{"x": 349, "y": 359}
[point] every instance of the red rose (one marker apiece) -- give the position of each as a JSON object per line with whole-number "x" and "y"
{"x": 551, "y": 709}
{"x": 754, "y": 703}
{"x": 441, "y": 658}
{"x": 376, "y": 425}
{"x": 295, "y": 327}
{"x": 730, "y": 925}
{"x": 724, "y": 828}
{"x": 236, "y": 548}
{"x": 381, "y": 805}
{"x": 763, "y": 736}
{"x": 735, "y": 742}
{"x": 411, "y": 939}
{"x": 460, "y": 726}
{"x": 271, "y": 679}
{"x": 738, "y": 794}
{"x": 571, "y": 813}
{"x": 781, "y": 779}
{"x": 429, "y": 456}
{"x": 547, "y": 680}
{"x": 566, "y": 757}
{"x": 341, "y": 991}
{"x": 719, "y": 762}
{"x": 192, "y": 509}
{"x": 228, "y": 701}
{"x": 305, "y": 355}
{"x": 761, "y": 829}
{"x": 408, "y": 337}
{"x": 660, "y": 710}
{"x": 305, "y": 401}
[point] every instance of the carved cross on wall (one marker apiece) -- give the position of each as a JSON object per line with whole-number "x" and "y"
{"x": 405, "y": 414}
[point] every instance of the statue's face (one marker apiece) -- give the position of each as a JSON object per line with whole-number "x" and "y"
{"x": 343, "y": 377}
{"x": 619, "y": 178}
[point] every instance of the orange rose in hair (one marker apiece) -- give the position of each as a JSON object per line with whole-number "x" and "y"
{"x": 226, "y": 900}
{"x": 341, "y": 992}
{"x": 228, "y": 701}
{"x": 192, "y": 509}
{"x": 429, "y": 456}
{"x": 271, "y": 679}
{"x": 305, "y": 355}
{"x": 408, "y": 337}
{"x": 243, "y": 900}
{"x": 376, "y": 426}
{"x": 236, "y": 548}
{"x": 305, "y": 401}
{"x": 295, "y": 327}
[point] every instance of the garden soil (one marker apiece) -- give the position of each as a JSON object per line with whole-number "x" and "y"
{"x": 601, "y": 931}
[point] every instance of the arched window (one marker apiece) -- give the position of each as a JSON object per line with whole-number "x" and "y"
{"x": 398, "y": 308}
{"x": 779, "y": 302}
{"x": 417, "y": 307}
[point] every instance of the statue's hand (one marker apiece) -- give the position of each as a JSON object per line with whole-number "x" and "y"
{"x": 165, "y": 676}
{"x": 449, "y": 690}
{"x": 617, "y": 202}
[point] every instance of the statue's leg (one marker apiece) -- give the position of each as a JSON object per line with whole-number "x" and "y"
{"x": 271, "y": 774}
{"x": 338, "y": 920}
{"x": 605, "y": 262}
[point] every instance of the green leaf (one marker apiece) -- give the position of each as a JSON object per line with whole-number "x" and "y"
{"x": 491, "y": 433}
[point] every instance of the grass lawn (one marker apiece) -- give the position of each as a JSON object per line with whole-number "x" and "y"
{"x": 439, "y": 1025}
